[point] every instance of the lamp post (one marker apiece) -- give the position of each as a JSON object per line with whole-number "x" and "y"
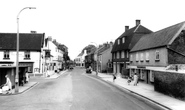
{"x": 96, "y": 58}
{"x": 17, "y": 51}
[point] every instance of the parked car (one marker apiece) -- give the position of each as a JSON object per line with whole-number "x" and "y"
{"x": 89, "y": 70}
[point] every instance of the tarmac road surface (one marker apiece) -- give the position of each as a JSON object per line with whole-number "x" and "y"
{"x": 73, "y": 90}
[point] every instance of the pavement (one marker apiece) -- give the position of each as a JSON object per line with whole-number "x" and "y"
{"x": 30, "y": 84}
{"x": 145, "y": 91}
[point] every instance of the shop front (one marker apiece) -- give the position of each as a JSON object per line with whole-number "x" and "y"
{"x": 145, "y": 75}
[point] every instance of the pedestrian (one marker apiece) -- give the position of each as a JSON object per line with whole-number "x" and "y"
{"x": 27, "y": 76}
{"x": 129, "y": 80}
{"x": 114, "y": 77}
{"x": 135, "y": 79}
{"x": 8, "y": 85}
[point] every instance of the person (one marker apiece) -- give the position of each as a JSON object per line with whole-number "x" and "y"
{"x": 129, "y": 80}
{"x": 8, "y": 85}
{"x": 135, "y": 79}
{"x": 27, "y": 76}
{"x": 114, "y": 77}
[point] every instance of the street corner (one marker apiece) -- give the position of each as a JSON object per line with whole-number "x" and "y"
{"x": 22, "y": 89}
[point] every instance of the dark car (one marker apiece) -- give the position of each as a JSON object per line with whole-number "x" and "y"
{"x": 88, "y": 70}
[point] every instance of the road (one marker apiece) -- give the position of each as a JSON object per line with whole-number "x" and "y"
{"x": 74, "y": 90}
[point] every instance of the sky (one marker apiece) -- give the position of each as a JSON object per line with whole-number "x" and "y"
{"x": 78, "y": 23}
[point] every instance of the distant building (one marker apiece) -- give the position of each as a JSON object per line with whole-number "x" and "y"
{"x": 105, "y": 58}
{"x": 80, "y": 59}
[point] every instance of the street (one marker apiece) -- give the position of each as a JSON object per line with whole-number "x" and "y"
{"x": 73, "y": 90}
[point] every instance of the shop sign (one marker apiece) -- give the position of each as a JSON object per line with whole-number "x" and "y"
{"x": 6, "y": 65}
{"x": 141, "y": 67}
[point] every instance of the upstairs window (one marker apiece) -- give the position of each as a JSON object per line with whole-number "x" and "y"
{"x": 147, "y": 57}
{"x": 27, "y": 55}
{"x": 123, "y": 40}
{"x": 157, "y": 56}
{"x": 141, "y": 57}
{"x": 122, "y": 54}
{"x": 118, "y": 54}
{"x": 6, "y": 55}
{"x": 137, "y": 57}
{"x": 131, "y": 59}
{"x": 118, "y": 41}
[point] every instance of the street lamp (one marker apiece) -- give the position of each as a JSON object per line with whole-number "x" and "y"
{"x": 96, "y": 58}
{"x": 17, "y": 55}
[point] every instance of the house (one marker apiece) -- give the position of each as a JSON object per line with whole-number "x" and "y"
{"x": 105, "y": 57}
{"x": 30, "y": 45}
{"x": 122, "y": 46}
{"x": 53, "y": 56}
{"x": 80, "y": 59}
{"x": 163, "y": 50}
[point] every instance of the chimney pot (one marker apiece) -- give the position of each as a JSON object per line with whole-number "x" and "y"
{"x": 138, "y": 22}
{"x": 126, "y": 28}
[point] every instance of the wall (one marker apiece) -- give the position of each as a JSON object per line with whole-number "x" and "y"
{"x": 179, "y": 46}
{"x": 163, "y": 58}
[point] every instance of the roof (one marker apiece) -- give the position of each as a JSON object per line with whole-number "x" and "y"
{"x": 104, "y": 48}
{"x": 131, "y": 37}
{"x": 160, "y": 38}
{"x": 27, "y": 41}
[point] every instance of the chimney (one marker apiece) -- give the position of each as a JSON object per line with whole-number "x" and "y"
{"x": 126, "y": 28}
{"x": 33, "y": 32}
{"x": 137, "y": 22}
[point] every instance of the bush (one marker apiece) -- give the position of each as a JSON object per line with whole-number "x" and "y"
{"x": 172, "y": 84}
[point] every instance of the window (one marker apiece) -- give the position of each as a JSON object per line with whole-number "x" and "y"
{"x": 123, "y": 40}
{"x": 6, "y": 55}
{"x": 118, "y": 55}
{"x": 157, "y": 56}
{"x": 141, "y": 57}
{"x": 127, "y": 54}
{"x": 131, "y": 58}
{"x": 137, "y": 57}
{"x": 118, "y": 41}
{"x": 122, "y": 54}
{"x": 27, "y": 55}
{"x": 147, "y": 57}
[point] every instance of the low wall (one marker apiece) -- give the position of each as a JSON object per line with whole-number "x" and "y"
{"x": 172, "y": 84}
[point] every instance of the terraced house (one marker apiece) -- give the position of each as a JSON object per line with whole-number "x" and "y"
{"x": 29, "y": 54}
{"x": 163, "y": 50}
{"x": 122, "y": 46}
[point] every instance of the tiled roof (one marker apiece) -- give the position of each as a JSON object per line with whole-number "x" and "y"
{"x": 27, "y": 41}
{"x": 160, "y": 38}
{"x": 131, "y": 37}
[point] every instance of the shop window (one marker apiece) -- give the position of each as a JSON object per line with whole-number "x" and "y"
{"x": 151, "y": 76}
{"x": 6, "y": 55}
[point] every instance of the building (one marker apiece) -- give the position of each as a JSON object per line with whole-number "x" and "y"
{"x": 122, "y": 46}
{"x": 105, "y": 57}
{"x": 53, "y": 56}
{"x": 163, "y": 50}
{"x": 30, "y": 45}
{"x": 80, "y": 59}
